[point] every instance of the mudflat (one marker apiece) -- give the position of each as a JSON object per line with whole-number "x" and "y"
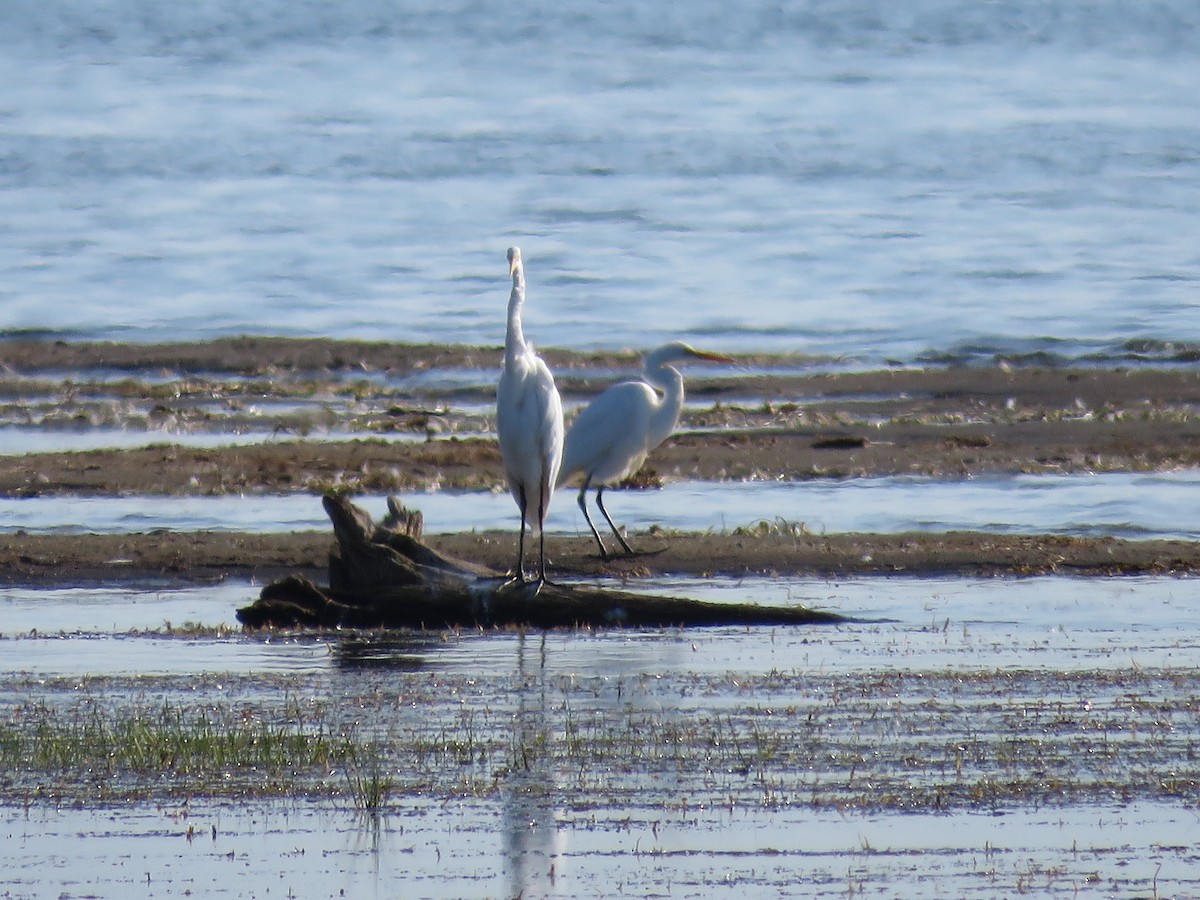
{"x": 309, "y": 416}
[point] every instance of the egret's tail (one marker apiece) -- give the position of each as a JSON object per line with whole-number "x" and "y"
{"x": 564, "y": 475}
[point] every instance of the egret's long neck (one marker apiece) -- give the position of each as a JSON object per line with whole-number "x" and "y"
{"x": 514, "y": 339}
{"x": 670, "y": 382}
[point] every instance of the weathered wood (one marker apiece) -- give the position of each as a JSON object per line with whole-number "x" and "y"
{"x": 384, "y": 576}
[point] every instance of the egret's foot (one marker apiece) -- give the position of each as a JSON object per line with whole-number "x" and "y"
{"x": 543, "y": 578}
{"x": 530, "y": 587}
{"x": 513, "y": 581}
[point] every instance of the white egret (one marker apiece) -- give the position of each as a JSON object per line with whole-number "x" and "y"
{"x": 613, "y": 436}
{"x": 529, "y": 423}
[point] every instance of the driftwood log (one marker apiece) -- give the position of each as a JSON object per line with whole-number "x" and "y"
{"x": 382, "y": 575}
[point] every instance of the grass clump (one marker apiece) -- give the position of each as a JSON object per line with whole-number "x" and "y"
{"x": 366, "y": 777}
{"x": 777, "y": 527}
{"x": 214, "y": 750}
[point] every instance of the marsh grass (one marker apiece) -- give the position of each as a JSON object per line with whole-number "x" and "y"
{"x": 116, "y": 750}
{"x": 366, "y": 776}
{"x": 932, "y": 741}
{"x": 777, "y": 527}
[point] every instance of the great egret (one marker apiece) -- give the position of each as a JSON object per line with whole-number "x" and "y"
{"x": 529, "y": 422}
{"x": 616, "y": 432}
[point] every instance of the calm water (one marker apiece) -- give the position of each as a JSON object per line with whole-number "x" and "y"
{"x": 1132, "y": 506}
{"x": 1070, "y": 663}
{"x": 908, "y": 625}
{"x": 473, "y": 848}
{"x": 868, "y": 179}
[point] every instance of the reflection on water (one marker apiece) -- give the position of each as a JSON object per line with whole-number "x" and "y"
{"x": 534, "y": 846}
{"x": 429, "y": 847}
{"x": 665, "y": 761}
{"x": 907, "y": 624}
{"x": 389, "y": 654}
{"x": 537, "y": 800}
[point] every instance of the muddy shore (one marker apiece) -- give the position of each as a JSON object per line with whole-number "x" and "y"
{"x": 379, "y": 418}
{"x": 198, "y": 557}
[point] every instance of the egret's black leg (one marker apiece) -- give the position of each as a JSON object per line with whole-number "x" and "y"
{"x": 583, "y": 506}
{"x": 542, "y": 503}
{"x": 520, "y": 575}
{"x": 607, "y": 518}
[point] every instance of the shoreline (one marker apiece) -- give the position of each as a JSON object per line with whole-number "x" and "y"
{"x": 767, "y": 418}
{"x": 197, "y": 558}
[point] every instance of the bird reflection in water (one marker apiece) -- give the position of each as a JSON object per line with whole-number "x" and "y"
{"x": 534, "y": 844}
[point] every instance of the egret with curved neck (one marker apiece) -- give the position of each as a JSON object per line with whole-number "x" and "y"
{"x": 529, "y": 424}
{"x": 612, "y": 437}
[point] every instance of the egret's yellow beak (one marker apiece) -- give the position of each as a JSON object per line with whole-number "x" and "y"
{"x": 713, "y": 357}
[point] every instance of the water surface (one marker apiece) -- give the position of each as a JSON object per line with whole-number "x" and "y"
{"x": 1059, "y": 684}
{"x": 1126, "y": 505}
{"x": 870, "y": 180}
{"x": 906, "y": 625}
{"x": 470, "y": 848}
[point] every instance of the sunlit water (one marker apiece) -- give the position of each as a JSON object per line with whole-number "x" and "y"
{"x": 474, "y": 849}
{"x": 539, "y": 836}
{"x": 20, "y": 441}
{"x": 1151, "y": 505}
{"x": 905, "y": 624}
{"x": 874, "y": 179}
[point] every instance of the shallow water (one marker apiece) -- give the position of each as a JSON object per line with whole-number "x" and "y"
{"x": 487, "y": 849}
{"x": 960, "y": 667}
{"x": 1137, "y": 506}
{"x": 908, "y": 624}
{"x": 868, "y": 180}
{"x": 21, "y": 441}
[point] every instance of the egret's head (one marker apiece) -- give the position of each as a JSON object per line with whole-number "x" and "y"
{"x": 514, "y": 259}
{"x": 678, "y": 351}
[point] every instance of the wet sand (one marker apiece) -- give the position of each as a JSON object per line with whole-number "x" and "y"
{"x": 211, "y": 556}
{"x": 768, "y": 418}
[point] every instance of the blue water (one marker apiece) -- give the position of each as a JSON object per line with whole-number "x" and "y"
{"x": 869, "y": 180}
{"x": 909, "y": 624}
{"x": 1131, "y": 506}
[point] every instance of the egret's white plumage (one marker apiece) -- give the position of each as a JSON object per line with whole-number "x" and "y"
{"x": 613, "y": 436}
{"x": 529, "y": 423}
